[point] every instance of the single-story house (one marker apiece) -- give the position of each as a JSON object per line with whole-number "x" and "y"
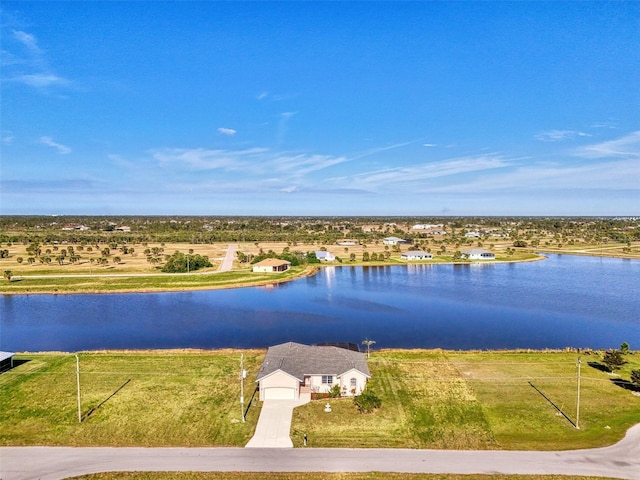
{"x": 325, "y": 256}
{"x": 416, "y": 255}
{"x": 293, "y": 370}
{"x": 6, "y": 361}
{"x": 478, "y": 254}
{"x": 393, "y": 240}
{"x": 347, "y": 243}
{"x": 271, "y": 265}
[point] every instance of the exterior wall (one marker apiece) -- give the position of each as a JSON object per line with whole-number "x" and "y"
{"x": 279, "y": 380}
{"x": 270, "y": 268}
{"x": 315, "y": 381}
{"x": 345, "y": 383}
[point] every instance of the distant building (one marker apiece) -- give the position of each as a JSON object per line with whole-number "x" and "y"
{"x": 478, "y": 254}
{"x": 416, "y": 255}
{"x": 347, "y": 243}
{"x": 325, "y": 256}
{"x": 393, "y": 241}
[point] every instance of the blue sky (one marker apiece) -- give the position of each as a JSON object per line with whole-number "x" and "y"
{"x": 313, "y": 108}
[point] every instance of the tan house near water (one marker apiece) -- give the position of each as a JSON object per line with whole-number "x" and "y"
{"x": 271, "y": 265}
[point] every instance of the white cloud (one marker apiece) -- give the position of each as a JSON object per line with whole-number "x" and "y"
{"x": 28, "y": 40}
{"x": 429, "y": 145}
{"x": 303, "y": 164}
{"x": 230, "y": 132}
{"x": 431, "y": 170}
{"x": 61, "y": 149}
{"x": 40, "y": 80}
{"x": 627, "y": 146}
{"x": 25, "y": 62}
{"x": 289, "y": 189}
{"x": 7, "y": 139}
{"x": 559, "y": 135}
{"x": 205, "y": 159}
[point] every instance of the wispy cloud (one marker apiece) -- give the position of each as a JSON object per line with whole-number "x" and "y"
{"x": 40, "y": 80}
{"x": 28, "y": 41}
{"x": 559, "y": 135}
{"x": 7, "y": 138}
{"x": 205, "y": 159}
{"x": 303, "y": 164}
{"x": 25, "y": 62}
{"x": 627, "y": 146}
{"x": 229, "y": 132}
{"x": 60, "y": 148}
{"x": 373, "y": 151}
{"x": 426, "y": 171}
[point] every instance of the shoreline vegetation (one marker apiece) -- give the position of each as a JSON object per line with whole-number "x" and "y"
{"x": 438, "y": 399}
{"x": 85, "y": 254}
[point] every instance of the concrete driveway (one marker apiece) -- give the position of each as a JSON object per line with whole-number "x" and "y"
{"x": 274, "y": 424}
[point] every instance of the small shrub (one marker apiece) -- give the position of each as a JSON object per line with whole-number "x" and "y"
{"x": 334, "y": 392}
{"x": 367, "y": 401}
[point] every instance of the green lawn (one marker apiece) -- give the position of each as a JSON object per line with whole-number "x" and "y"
{"x": 464, "y": 400}
{"x": 144, "y": 399}
{"x": 430, "y": 399}
{"x": 141, "y": 282}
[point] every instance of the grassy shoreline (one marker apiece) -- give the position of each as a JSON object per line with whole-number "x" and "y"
{"x": 56, "y": 283}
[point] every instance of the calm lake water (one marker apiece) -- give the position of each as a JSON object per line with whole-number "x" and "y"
{"x": 562, "y": 301}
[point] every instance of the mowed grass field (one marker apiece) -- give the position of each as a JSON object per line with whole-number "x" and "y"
{"x": 140, "y": 398}
{"x": 430, "y": 399}
{"x": 484, "y": 400}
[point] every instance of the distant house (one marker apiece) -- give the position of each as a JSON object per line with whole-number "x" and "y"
{"x": 416, "y": 255}
{"x": 478, "y": 254}
{"x": 293, "y": 370}
{"x": 271, "y": 265}
{"x": 393, "y": 241}
{"x": 6, "y": 361}
{"x": 347, "y": 243}
{"x": 325, "y": 256}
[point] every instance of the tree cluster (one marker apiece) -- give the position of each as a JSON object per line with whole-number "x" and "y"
{"x": 181, "y": 263}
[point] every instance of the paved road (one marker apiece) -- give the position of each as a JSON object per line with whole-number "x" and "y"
{"x": 52, "y": 463}
{"x": 227, "y": 262}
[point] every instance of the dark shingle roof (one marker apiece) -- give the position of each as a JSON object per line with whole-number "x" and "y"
{"x": 299, "y": 360}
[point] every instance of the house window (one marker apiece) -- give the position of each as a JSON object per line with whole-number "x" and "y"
{"x": 327, "y": 379}
{"x": 354, "y": 383}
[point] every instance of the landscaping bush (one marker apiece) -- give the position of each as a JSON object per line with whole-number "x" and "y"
{"x": 367, "y": 401}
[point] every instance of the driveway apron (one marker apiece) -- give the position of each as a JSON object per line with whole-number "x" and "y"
{"x": 274, "y": 424}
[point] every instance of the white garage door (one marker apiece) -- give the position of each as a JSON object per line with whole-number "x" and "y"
{"x": 279, "y": 393}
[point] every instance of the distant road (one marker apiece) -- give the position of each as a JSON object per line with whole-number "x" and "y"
{"x": 225, "y": 266}
{"x": 227, "y": 261}
{"x": 621, "y": 460}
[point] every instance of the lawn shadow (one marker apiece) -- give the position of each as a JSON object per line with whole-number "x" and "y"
{"x": 553, "y": 405}
{"x": 93, "y": 410}
{"x": 626, "y": 384}
{"x": 599, "y": 366}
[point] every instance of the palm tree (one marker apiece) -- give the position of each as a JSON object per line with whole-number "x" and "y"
{"x": 368, "y": 343}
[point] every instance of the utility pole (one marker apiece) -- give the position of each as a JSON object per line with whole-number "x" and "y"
{"x": 243, "y": 374}
{"x": 578, "y": 396}
{"x": 78, "y": 383}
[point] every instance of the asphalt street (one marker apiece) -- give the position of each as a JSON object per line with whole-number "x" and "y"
{"x": 621, "y": 460}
